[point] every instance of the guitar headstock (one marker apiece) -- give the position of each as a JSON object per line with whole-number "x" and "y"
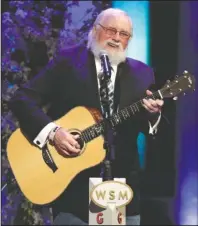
{"x": 178, "y": 86}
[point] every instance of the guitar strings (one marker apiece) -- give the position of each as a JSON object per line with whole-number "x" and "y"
{"x": 86, "y": 133}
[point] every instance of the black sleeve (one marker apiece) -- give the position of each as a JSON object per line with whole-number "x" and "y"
{"x": 145, "y": 117}
{"x": 29, "y": 99}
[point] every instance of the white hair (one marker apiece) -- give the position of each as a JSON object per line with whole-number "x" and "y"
{"x": 92, "y": 43}
{"x": 103, "y": 15}
{"x": 111, "y": 12}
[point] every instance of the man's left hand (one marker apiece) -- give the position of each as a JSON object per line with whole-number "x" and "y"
{"x": 153, "y": 106}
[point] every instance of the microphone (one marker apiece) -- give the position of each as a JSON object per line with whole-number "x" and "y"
{"x": 105, "y": 63}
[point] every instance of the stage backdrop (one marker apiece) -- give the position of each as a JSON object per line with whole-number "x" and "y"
{"x": 186, "y": 204}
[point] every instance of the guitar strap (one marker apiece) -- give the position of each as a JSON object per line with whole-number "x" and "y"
{"x": 48, "y": 158}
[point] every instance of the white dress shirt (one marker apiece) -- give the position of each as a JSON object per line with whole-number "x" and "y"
{"x": 42, "y": 137}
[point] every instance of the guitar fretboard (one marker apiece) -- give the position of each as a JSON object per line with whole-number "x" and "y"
{"x": 117, "y": 118}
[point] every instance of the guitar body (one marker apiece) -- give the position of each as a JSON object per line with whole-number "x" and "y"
{"x": 35, "y": 178}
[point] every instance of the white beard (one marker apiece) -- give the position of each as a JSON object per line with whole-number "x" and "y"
{"x": 115, "y": 57}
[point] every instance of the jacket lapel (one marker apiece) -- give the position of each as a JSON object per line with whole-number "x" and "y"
{"x": 123, "y": 78}
{"x": 128, "y": 85}
{"x": 88, "y": 74}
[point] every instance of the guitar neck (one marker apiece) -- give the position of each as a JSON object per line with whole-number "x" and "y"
{"x": 117, "y": 118}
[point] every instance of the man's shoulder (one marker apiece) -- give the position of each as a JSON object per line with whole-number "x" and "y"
{"x": 138, "y": 65}
{"x": 72, "y": 50}
{"x": 141, "y": 70}
{"x": 70, "y": 54}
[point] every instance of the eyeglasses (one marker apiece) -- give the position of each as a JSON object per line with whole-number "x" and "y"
{"x": 113, "y": 31}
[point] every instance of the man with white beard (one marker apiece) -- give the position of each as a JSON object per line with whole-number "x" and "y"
{"x": 100, "y": 36}
{"x": 72, "y": 80}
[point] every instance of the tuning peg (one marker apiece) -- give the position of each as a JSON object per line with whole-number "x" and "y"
{"x": 184, "y": 94}
{"x": 185, "y": 72}
{"x": 168, "y": 81}
{"x": 175, "y": 98}
{"x": 176, "y": 76}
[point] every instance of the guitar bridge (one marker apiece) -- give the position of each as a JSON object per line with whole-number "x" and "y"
{"x": 48, "y": 159}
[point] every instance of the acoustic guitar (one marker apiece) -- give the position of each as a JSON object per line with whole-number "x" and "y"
{"x": 42, "y": 175}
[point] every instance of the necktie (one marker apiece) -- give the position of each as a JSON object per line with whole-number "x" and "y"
{"x": 104, "y": 97}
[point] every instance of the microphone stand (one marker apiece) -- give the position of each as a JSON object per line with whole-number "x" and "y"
{"x": 108, "y": 132}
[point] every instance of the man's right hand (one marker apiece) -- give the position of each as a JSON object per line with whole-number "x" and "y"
{"x": 65, "y": 143}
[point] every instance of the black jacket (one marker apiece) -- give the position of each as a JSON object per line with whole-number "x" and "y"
{"x": 68, "y": 81}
